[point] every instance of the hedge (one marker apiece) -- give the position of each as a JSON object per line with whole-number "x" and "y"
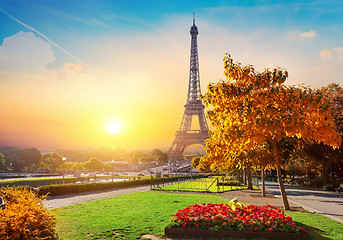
{"x": 39, "y": 181}
{"x": 63, "y": 189}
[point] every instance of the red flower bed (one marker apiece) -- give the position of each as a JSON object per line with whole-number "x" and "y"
{"x": 223, "y": 217}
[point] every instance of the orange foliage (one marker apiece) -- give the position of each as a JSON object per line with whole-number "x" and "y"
{"x": 253, "y": 110}
{"x": 25, "y": 216}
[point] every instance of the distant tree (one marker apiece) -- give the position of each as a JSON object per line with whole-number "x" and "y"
{"x": 51, "y": 161}
{"x": 155, "y": 152}
{"x": 163, "y": 158}
{"x": 146, "y": 159}
{"x": 68, "y": 166}
{"x": 158, "y": 155}
{"x": 134, "y": 156}
{"x": 2, "y": 162}
{"x": 31, "y": 158}
{"x": 13, "y": 156}
{"x": 78, "y": 166}
{"x": 108, "y": 167}
{"x": 323, "y": 157}
{"x": 94, "y": 164}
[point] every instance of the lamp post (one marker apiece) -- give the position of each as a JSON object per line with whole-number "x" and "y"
{"x": 112, "y": 169}
{"x": 63, "y": 159}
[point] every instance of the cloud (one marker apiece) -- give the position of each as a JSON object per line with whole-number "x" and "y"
{"x": 309, "y": 34}
{"x": 296, "y": 35}
{"x": 325, "y": 53}
{"x": 330, "y": 60}
{"x": 335, "y": 53}
{"x": 339, "y": 53}
{"x": 24, "y": 52}
{"x": 46, "y": 38}
{"x": 71, "y": 67}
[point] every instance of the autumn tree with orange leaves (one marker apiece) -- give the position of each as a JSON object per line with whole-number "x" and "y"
{"x": 253, "y": 109}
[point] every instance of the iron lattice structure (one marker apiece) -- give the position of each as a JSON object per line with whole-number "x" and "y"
{"x": 185, "y": 136}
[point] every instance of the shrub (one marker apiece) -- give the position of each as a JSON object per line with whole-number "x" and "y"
{"x": 25, "y": 216}
{"x": 36, "y": 182}
{"x": 62, "y": 189}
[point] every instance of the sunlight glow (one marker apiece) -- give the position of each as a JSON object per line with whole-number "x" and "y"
{"x": 114, "y": 127}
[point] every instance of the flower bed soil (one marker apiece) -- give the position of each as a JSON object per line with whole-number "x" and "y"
{"x": 204, "y": 233}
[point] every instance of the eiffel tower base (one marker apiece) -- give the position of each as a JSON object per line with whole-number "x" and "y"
{"x": 183, "y": 140}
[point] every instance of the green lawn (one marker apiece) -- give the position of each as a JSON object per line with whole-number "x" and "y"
{"x": 133, "y": 215}
{"x": 318, "y": 226}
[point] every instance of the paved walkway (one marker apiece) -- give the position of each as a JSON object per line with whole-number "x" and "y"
{"x": 325, "y": 203}
{"x": 329, "y": 204}
{"x": 65, "y": 200}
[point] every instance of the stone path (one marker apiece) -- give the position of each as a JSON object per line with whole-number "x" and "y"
{"x": 65, "y": 200}
{"x": 329, "y": 204}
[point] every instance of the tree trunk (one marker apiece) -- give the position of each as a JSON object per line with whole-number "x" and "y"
{"x": 248, "y": 174}
{"x": 263, "y": 182}
{"x": 325, "y": 173}
{"x": 245, "y": 176}
{"x": 279, "y": 175}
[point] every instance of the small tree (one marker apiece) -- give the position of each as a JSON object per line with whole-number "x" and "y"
{"x": 251, "y": 109}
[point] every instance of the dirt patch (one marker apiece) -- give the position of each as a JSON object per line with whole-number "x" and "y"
{"x": 153, "y": 237}
{"x": 255, "y": 197}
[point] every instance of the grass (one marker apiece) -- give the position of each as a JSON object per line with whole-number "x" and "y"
{"x": 133, "y": 215}
{"x": 128, "y": 216}
{"x": 201, "y": 185}
{"x": 318, "y": 226}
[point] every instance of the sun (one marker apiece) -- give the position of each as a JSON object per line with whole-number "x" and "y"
{"x": 114, "y": 127}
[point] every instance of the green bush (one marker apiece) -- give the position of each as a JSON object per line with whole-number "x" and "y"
{"x": 39, "y": 182}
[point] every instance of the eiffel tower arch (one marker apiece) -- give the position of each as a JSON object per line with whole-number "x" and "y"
{"x": 187, "y": 136}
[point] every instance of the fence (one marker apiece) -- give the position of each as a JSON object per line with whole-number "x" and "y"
{"x": 159, "y": 183}
{"x": 200, "y": 184}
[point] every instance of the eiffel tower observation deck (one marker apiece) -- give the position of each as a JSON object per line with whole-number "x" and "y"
{"x": 187, "y": 136}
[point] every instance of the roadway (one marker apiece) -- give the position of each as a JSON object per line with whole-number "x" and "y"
{"x": 329, "y": 204}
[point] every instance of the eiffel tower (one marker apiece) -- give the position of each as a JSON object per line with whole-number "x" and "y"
{"x": 185, "y": 137}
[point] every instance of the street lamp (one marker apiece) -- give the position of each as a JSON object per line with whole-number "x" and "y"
{"x": 112, "y": 169}
{"x": 63, "y": 159}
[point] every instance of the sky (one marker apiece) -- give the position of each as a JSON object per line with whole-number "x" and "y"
{"x": 69, "y": 67}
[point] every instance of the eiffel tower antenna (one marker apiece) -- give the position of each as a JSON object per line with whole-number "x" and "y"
{"x": 185, "y": 136}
